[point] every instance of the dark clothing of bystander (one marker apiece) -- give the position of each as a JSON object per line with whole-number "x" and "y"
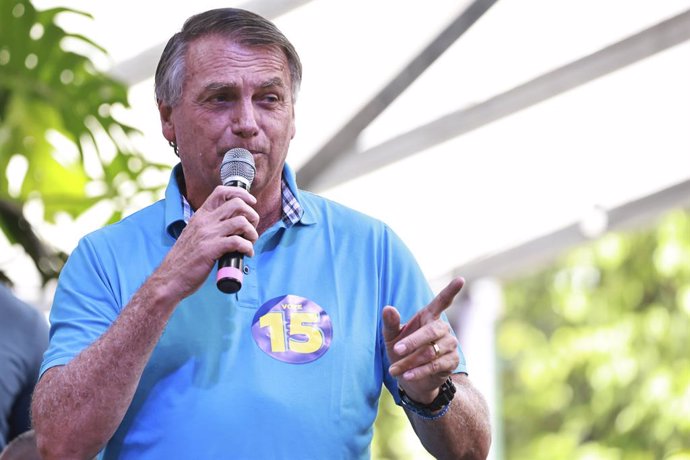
{"x": 23, "y": 339}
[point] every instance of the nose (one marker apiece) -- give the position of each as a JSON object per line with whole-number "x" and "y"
{"x": 243, "y": 122}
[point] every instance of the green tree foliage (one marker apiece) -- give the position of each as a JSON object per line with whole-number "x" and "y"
{"x": 394, "y": 437}
{"x": 595, "y": 351}
{"x": 56, "y": 123}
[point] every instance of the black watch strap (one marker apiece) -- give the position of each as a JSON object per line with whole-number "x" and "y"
{"x": 444, "y": 397}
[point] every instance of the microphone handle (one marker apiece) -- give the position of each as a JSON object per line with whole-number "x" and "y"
{"x": 231, "y": 265}
{"x": 230, "y": 275}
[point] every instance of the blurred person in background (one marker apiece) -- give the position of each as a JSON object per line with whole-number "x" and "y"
{"x": 23, "y": 447}
{"x": 149, "y": 360}
{"x": 23, "y": 339}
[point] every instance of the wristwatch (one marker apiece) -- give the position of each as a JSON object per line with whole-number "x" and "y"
{"x": 442, "y": 401}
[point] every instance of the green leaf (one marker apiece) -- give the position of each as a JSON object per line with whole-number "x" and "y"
{"x": 62, "y": 93}
{"x": 594, "y": 350}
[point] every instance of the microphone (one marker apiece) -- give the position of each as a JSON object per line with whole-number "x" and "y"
{"x": 236, "y": 170}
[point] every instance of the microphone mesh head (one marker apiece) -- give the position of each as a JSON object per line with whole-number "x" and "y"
{"x": 237, "y": 165}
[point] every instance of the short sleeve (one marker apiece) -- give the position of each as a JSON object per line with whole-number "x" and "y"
{"x": 405, "y": 287}
{"x": 84, "y": 306}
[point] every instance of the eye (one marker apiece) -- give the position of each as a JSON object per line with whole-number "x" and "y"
{"x": 270, "y": 98}
{"x": 221, "y": 97}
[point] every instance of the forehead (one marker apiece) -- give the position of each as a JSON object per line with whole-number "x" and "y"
{"x": 223, "y": 58}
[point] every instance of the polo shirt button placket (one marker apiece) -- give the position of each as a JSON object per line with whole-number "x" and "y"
{"x": 248, "y": 295}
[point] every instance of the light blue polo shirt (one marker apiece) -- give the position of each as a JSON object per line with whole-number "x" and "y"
{"x": 289, "y": 367}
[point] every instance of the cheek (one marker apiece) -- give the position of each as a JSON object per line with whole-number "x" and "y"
{"x": 202, "y": 130}
{"x": 266, "y": 168}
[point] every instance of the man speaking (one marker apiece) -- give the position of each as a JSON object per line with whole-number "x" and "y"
{"x": 148, "y": 359}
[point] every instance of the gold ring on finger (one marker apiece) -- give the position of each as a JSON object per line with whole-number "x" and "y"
{"x": 437, "y": 349}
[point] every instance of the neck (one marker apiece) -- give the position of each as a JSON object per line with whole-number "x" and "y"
{"x": 269, "y": 203}
{"x": 269, "y": 206}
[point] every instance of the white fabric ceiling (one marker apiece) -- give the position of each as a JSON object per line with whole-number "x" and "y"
{"x": 614, "y": 139}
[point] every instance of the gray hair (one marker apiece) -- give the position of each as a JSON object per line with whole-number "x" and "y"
{"x": 243, "y": 26}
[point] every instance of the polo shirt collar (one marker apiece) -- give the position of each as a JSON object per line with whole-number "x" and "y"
{"x": 174, "y": 210}
{"x": 307, "y": 216}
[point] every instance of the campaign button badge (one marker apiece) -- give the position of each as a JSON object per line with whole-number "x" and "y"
{"x": 292, "y": 329}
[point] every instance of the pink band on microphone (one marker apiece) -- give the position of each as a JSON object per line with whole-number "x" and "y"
{"x": 231, "y": 273}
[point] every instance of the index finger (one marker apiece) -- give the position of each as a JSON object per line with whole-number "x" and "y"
{"x": 445, "y": 298}
{"x": 223, "y": 193}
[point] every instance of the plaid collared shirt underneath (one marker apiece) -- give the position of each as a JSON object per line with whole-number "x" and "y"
{"x": 292, "y": 211}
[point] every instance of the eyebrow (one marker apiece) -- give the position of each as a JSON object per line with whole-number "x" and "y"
{"x": 276, "y": 81}
{"x": 215, "y": 86}
{"x": 273, "y": 82}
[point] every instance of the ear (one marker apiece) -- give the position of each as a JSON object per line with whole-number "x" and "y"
{"x": 167, "y": 123}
